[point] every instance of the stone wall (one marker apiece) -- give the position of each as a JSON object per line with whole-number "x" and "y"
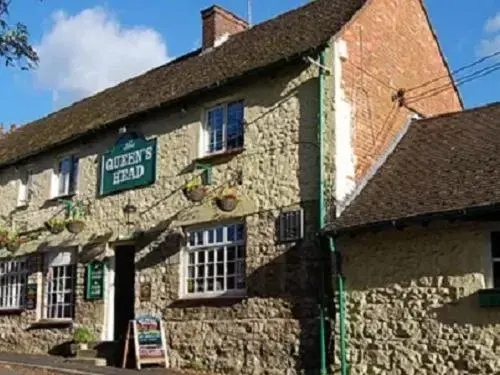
{"x": 412, "y": 306}
{"x": 275, "y": 325}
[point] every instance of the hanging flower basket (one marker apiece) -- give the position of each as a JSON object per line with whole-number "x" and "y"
{"x": 194, "y": 190}
{"x": 55, "y": 226}
{"x": 75, "y": 226}
{"x": 228, "y": 200}
{"x": 196, "y": 194}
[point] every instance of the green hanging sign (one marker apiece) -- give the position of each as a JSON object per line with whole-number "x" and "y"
{"x": 95, "y": 281}
{"x": 129, "y": 164}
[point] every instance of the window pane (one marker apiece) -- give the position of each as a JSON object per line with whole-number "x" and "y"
{"x": 496, "y": 274}
{"x": 495, "y": 244}
{"x": 73, "y": 178}
{"x": 211, "y": 236}
{"x": 230, "y": 283}
{"x": 235, "y": 125}
{"x": 215, "y": 125}
{"x": 201, "y": 257}
{"x": 191, "y": 272}
{"x": 68, "y": 311}
{"x": 220, "y": 234}
{"x": 230, "y": 233}
{"x": 220, "y": 255}
{"x": 210, "y": 256}
{"x": 240, "y": 232}
{"x": 64, "y": 175}
{"x": 211, "y": 270}
{"x": 219, "y": 283}
{"x": 231, "y": 253}
{"x": 199, "y": 285}
{"x": 191, "y": 258}
{"x": 210, "y": 285}
{"x": 241, "y": 251}
{"x": 201, "y": 271}
{"x": 220, "y": 269}
{"x": 190, "y": 286}
{"x": 231, "y": 268}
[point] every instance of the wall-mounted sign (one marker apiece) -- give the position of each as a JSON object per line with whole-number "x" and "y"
{"x": 148, "y": 340}
{"x": 95, "y": 281}
{"x": 145, "y": 292}
{"x": 31, "y": 292}
{"x": 129, "y": 164}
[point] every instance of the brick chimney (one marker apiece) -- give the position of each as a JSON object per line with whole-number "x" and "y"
{"x": 219, "y": 24}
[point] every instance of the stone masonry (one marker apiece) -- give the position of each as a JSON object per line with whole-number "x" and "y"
{"x": 412, "y": 306}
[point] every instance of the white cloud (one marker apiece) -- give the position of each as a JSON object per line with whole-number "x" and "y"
{"x": 90, "y": 51}
{"x": 493, "y": 24}
{"x": 490, "y": 46}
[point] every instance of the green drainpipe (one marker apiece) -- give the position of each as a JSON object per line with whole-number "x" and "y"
{"x": 331, "y": 243}
{"x": 321, "y": 209}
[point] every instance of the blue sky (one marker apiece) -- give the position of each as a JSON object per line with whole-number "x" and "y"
{"x": 103, "y": 37}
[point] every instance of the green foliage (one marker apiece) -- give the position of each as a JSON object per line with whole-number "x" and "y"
{"x": 56, "y": 224}
{"x": 15, "y": 47}
{"x": 83, "y": 335}
{"x": 194, "y": 184}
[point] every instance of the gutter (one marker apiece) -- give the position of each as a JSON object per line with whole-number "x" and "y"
{"x": 467, "y": 213}
{"x": 329, "y": 248}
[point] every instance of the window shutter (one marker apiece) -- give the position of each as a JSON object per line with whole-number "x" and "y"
{"x": 291, "y": 226}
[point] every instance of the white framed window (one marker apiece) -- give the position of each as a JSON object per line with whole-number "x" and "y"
{"x": 214, "y": 261}
{"x": 495, "y": 258}
{"x": 224, "y": 127}
{"x": 60, "y": 283}
{"x": 65, "y": 177}
{"x": 25, "y": 188}
{"x": 13, "y": 275}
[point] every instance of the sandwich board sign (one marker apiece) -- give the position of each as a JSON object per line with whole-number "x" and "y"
{"x": 148, "y": 338}
{"x": 129, "y": 164}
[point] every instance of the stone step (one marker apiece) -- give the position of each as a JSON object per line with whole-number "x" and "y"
{"x": 88, "y": 353}
{"x": 100, "y": 362}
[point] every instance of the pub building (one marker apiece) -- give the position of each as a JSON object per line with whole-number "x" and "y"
{"x": 193, "y": 194}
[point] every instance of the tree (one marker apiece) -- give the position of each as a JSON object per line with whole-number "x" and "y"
{"x": 15, "y": 48}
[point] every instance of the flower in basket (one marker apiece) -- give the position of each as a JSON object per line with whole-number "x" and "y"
{"x": 13, "y": 242}
{"x": 228, "y": 199}
{"x": 55, "y": 225}
{"x": 76, "y": 220}
{"x": 195, "y": 190}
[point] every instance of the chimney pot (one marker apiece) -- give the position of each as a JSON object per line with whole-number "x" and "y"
{"x": 218, "y": 24}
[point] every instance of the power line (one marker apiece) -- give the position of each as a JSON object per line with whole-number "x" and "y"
{"x": 474, "y": 63}
{"x": 468, "y": 78}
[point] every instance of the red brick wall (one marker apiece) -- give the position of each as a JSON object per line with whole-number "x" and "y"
{"x": 392, "y": 41}
{"x": 217, "y": 22}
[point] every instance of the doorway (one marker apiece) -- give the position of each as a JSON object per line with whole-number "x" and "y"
{"x": 124, "y": 294}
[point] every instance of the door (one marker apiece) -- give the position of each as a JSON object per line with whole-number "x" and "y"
{"x": 124, "y": 294}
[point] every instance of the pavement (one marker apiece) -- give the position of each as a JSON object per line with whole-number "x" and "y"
{"x": 13, "y": 363}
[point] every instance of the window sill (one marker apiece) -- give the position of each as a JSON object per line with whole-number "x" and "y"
{"x": 64, "y": 196}
{"x": 52, "y": 323}
{"x": 215, "y": 300}
{"x": 489, "y": 297}
{"x": 11, "y": 311}
{"x": 217, "y": 156}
